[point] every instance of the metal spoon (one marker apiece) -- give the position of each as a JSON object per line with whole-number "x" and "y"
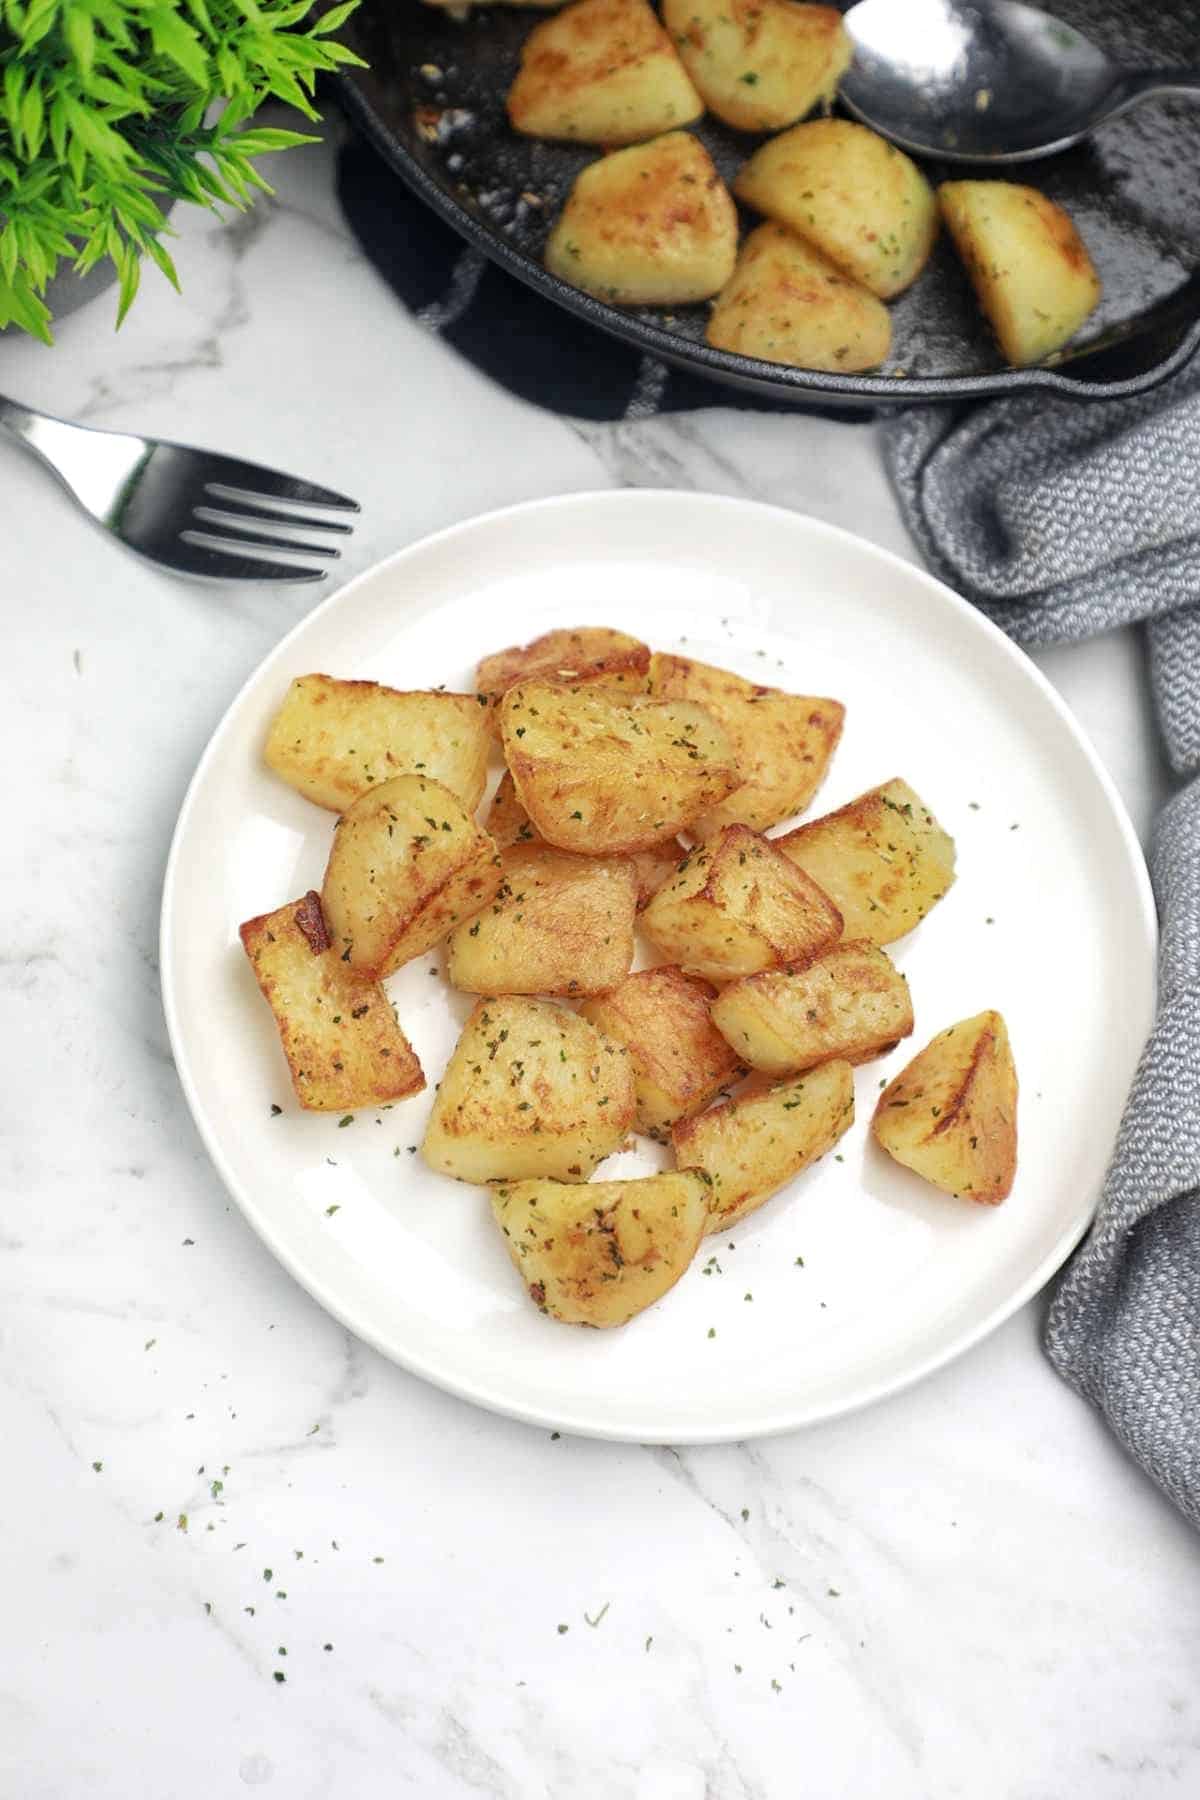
{"x": 990, "y": 82}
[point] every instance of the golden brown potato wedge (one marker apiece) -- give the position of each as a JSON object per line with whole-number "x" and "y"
{"x": 508, "y": 823}
{"x": 852, "y": 194}
{"x": 736, "y": 906}
{"x": 596, "y": 1255}
{"x": 760, "y": 64}
{"x": 787, "y": 303}
{"x": 530, "y": 1090}
{"x": 602, "y": 72}
{"x": 680, "y": 1062}
{"x": 783, "y": 742}
{"x": 408, "y": 862}
{"x": 883, "y": 859}
{"x": 597, "y": 775}
{"x": 951, "y": 1115}
{"x": 339, "y": 1033}
{"x": 749, "y": 1146}
{"x": 335, "y": 740}
{"x": 558, "y": 924}
{"x": 850, "y": 1002}
{"x": 579, "y": 656}
{"x": 1029, "y": 266}
{"x": 649, "y": 226}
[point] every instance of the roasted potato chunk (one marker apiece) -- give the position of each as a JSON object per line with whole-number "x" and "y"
{"x": 508, "y": 823}
{"x": 530, "y": 1090}
{"x": 786, "y": 303}
{"x": 335, "y": 740}
{"x": 597, "y": 775}
{"x": 407, "y": 863}
{"x": 734, "y": 907}
{"x": 650, "y": 226}
{"x": 884, "y": 860}
{"x": 596, "y": 1255}
{"x": 680, "y": 1062}
{"x": 339, "y": 1033}
{"x": 580, "y": 656}
{"x": 848, "y": 191}
{"x": 783, "y": 742}
{"x": 558, "y": 924}
{"x": 1029, "y": 266}
{"x": 749, "y": 1146}
{"x": 851, "y": 1002}
{"x": 951, "y": 1115}
{"x": 760, "y": 64}
{"x": 602, "y": 72}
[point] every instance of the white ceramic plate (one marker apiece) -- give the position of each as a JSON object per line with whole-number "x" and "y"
{"x": 1051, "y": 921}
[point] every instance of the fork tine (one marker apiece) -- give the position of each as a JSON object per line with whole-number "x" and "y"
{"x": 211, "y": 557}
{"x": 243, "y": 509}
{"x": 221, "y": 525}
{"x": 229, "y": 479}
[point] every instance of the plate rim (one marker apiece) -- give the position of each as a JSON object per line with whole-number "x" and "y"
{"x": 477, "y": 1393}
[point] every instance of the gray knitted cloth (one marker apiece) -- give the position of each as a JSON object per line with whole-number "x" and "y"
{"x": 1061, "y": 520}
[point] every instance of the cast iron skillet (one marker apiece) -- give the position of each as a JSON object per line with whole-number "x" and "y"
{"x": 432, "y": 102}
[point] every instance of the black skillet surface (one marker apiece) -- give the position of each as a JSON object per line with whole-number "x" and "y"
{"x": 432, "y": 102}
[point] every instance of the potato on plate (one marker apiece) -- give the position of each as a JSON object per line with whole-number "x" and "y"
{"x": 558, "y": 924}
{"x": 602, "y": 72}
{"x": 680, "y": 1062}
{"x": 339, "y": 1033}
{"x": 599, "y": 776}
{"x": 883, "y": 859}
{"x": 951, "y": 1115}
{"x": 760, "y": 64}
{"x": 649, "y": 226}
{"x": 850, "y": 1002}
{"x": 737, "y": 905}
{"x": 783, "y": 742}
{"x": 530, "y": 1090}
{"x": 579, "y": 656}
{"x": 749, "y": 1146}
{"x": 408, "y": 862}
{"x": 334, "y": 740}
{"x": 508, "y": 823}
{"x": 786, "y": 303}
{"x": 596, "y": 1255}
{"x": 852, "y": 194}
{"x": 1029, "y": 266}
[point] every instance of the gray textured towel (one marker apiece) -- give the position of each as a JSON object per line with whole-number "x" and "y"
{"x": 1062, "y": 520}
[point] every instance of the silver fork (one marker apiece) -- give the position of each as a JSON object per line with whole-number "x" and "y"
{"x": 191, "y": 510}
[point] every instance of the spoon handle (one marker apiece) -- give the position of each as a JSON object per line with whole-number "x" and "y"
{"x": 1150, "y": 84}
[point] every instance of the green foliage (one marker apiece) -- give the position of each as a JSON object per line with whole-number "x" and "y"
{"x": 103, "y": 106}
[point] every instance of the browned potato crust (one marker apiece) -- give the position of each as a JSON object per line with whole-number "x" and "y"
{"x": 339, "y": 1033}
{"x": 602, "y": 72}
{"x": 530, "y": 1090}
{"x": 558, "y": 924}
{"x": 596, "y": 1255}
{"x": 598, "y": 776}
{"x": 407, "y": 863}
{"x": 335, "y": 740}
{"x": 578, "y": 656}
{"x": 1029, "y": 266}
{"x": 883, "y": 859}
{"x": 760, "y": 64}
{"x": 951, "y": 1115}
{"x": 750, "y": 1145}
{"x": 649, "y": 226}
{"x": 787, "y": 303}
{"x": 861, "y": 201}
{"x": 783, "y": 742}
{"x": 508, "y": 823}
{"x": 737, "y": 905}
{"x": 680, "y": 1062}
{"x": 850, "y": 1002}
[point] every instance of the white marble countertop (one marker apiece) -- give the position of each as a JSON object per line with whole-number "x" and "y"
{"x": 967, "y": 1590}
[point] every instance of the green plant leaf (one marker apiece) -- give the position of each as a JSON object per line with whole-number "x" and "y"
{"x": 334, "y": 19}
{"x": 261, "y": 138}
{"x": 129, "y": 267}
{"x": 174, "y": 38}
{"x": 80, "y": 33}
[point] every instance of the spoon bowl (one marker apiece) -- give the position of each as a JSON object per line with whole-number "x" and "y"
{"x": 990, "y": 82}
